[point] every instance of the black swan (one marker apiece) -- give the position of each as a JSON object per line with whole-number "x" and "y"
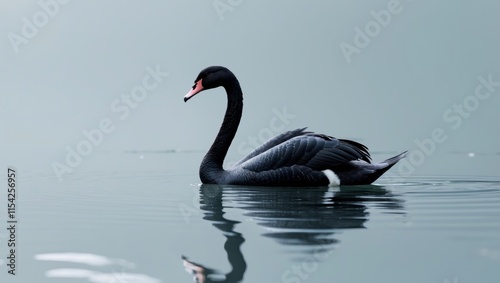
{"x": 294, "y": 158}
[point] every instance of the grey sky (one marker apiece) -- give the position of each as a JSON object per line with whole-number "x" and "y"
{"x": 285, "y": 53}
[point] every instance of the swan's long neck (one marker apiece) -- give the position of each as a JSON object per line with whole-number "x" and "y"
{"x": 211, "y": 167}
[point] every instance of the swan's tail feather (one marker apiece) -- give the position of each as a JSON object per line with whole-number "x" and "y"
{"x": 386, "y": 165}
{"x": 393, "y": 160}
{"x": 363, "y": 173}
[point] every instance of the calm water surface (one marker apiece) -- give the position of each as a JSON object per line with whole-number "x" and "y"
{"x": 148, "y": 220}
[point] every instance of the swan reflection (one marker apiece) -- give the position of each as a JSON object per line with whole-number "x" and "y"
{"x": 307, "y": 218}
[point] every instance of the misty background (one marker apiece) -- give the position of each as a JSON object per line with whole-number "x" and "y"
{"x": 286, "y": 55}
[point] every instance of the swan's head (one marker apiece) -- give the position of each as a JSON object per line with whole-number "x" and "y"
{"x": 208, "y": 78}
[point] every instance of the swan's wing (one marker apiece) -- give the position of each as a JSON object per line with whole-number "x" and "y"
{"x": 272, "y": 143}
{"x": 318, "y": 152}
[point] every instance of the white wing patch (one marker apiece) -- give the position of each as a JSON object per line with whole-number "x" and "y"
{"x": 332, "y": 177}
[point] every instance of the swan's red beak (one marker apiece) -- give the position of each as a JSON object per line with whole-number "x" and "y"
{"x": 198, "y": 86}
